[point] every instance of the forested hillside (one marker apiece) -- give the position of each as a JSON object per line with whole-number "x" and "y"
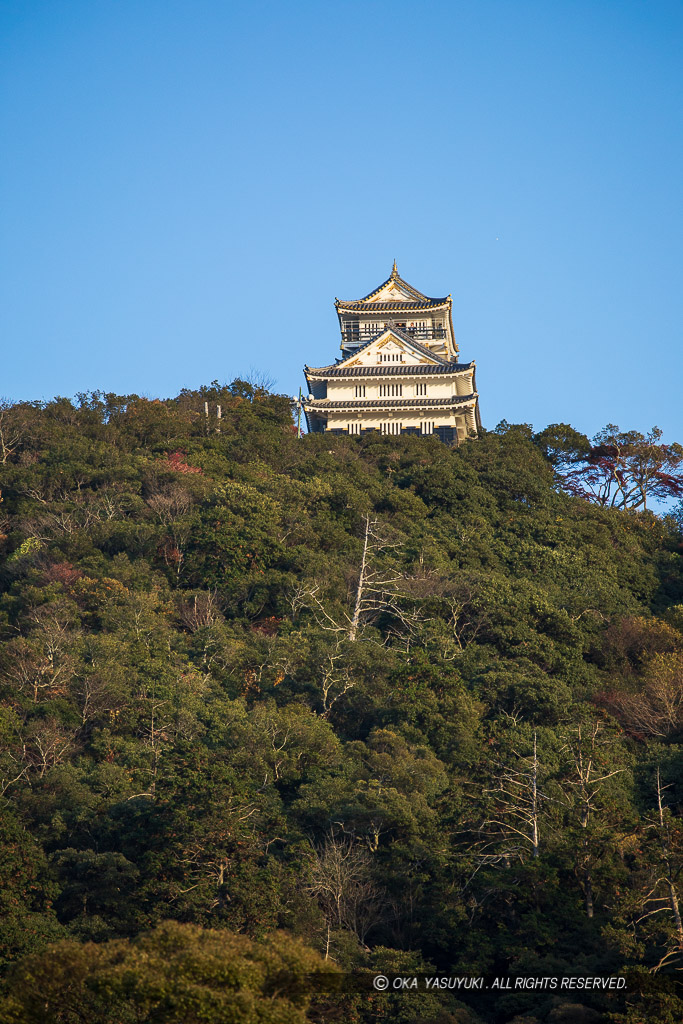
{"x": 272, "y": 705}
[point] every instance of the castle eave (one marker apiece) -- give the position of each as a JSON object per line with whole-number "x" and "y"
{"x": 326, "y": 404}
{"x": 386, "y": 370}
{"x": 361, "y": 306}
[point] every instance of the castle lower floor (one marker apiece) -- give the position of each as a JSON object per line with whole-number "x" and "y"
{"x": 447, "y": 434}
{"x": 446, "y": 424}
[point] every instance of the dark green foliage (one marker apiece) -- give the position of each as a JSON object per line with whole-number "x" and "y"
{"x": 176, "y": 975}
{"x": 211, "y": 717}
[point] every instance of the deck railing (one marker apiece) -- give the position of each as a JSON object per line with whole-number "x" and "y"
{"x": 358, "y": 334}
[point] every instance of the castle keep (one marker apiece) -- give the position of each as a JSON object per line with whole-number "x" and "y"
{"x": 398, "y": 372}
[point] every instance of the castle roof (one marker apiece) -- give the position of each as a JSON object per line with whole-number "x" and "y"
{"x": 321, "y": 404}
{"x": 393, "y": 294}
{"x": 386, "y": 369}
{"x": 362, "y": 305}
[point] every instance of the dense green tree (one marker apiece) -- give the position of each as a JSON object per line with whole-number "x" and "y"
{"x": 404, "y": 701}
{"x": 176, "y": 974}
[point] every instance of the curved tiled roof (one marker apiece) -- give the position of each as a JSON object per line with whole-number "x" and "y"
{"x": 386, "y": 369}
{"x": 403, "y": 306}
{"x": 320, "y": 404}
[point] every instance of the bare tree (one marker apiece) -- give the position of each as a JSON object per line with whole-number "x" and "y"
{"x": 260, "y": 380}
{"x": 378, "y": 588}
{"x": 50, "y": 523}
{"x": 307, "y": 594}
{"x": 13, "y": 431}
{"x": 79, "y": 511}
{"x": 657, "y": 891}
{"x": 47, "y": 746}
{"x": 342, "y": 884}
{"x": 513, "y": 831}
{"x": 655, "y": 708}
{"x": 201, "y": 612}
{"x": 170, "y": 502}
{"x": 585, "y": 784}
{"x": 171, "y": 505}
{"x": 254, "y": 385}
{"x": 13, "y": 764}
{"x": 154, "y": 731}
{"x": 670, "y": 872}
{"x": 96, "y": 695}
{"x": 461, "y": 618}
{"x": 42, "y": 663}
{"x": 336, "y": 680}
{"x": 26, "y": 668}
{"x": 103, "y": 507}
{"x": 664, "y": 895}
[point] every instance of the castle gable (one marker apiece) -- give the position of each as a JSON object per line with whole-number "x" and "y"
{"x": 391, "y": 346}
{"x": 394, "y": 290}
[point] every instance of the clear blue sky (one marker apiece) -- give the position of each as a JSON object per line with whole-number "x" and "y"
{"x": 187, "y": 185}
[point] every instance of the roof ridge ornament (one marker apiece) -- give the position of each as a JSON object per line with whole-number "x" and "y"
{"x": 394, "y": 270}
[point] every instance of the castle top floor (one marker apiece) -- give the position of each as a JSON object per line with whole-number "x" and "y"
{"x": 395, "y": 303}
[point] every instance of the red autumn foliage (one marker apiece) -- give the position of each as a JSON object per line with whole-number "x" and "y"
{"x": 175, "y": 461}
{"x": 626, "y": 469}
{"x": 170, "y": 552}
{"x": 61, "y": 572}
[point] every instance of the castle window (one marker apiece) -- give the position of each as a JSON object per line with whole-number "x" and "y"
{"x": 427, "y": 426}
{"x": 420, "y": 389}
{"x": 391, "y": 428}
{"x": 360, "y": 390}
{"x": 354, "y": 428}
{"x": 390, "y": 390}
